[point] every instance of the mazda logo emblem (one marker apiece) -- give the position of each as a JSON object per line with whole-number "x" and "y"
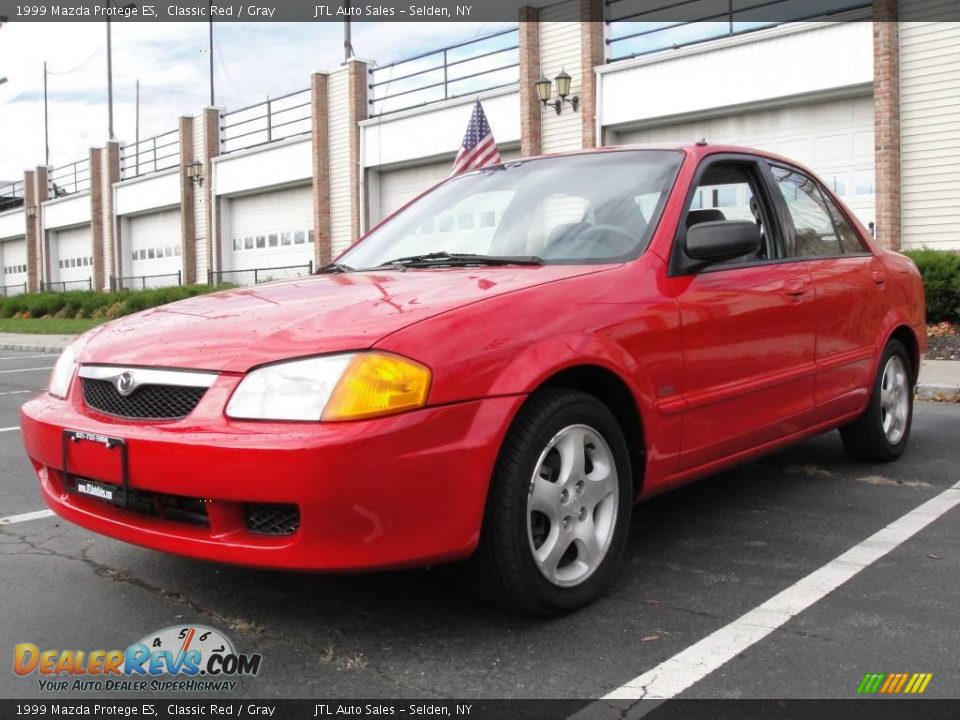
{"x": 126, "y": 384}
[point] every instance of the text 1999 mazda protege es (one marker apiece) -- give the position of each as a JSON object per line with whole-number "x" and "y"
{"x": 497, "y": 372}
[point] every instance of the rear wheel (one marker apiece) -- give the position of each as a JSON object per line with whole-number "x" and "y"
{"x": 558, "y": 509}
{"x": 882, "y": 432}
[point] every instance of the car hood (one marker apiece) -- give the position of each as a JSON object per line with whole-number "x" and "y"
{"x": 235, "y": 330}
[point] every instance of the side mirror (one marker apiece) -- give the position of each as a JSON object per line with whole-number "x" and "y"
{"x": 713, "y": 242}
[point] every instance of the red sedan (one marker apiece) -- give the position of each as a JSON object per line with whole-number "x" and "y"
{"x": 495, "y": 373}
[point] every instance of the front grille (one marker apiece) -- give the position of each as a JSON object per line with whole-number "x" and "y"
{"x": 147, "y": 402}
{"x": 272, "y": 518}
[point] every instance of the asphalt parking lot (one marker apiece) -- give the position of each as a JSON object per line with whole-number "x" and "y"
{"x": 697, "y": 560}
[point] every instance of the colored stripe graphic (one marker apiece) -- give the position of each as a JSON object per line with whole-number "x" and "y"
{"x": 894, "y": 683}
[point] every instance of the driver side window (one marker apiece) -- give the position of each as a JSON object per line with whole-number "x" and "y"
{"x": 727, "y": 191}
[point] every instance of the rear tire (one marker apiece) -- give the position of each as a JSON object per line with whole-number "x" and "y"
{"x": 558, "y": 509}
{"x": 882, "y": 432}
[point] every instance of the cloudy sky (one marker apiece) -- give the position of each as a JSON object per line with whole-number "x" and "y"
{"x": 252, "y": 61}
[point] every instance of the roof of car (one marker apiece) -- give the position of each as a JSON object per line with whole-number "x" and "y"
{"x": 697, "y": 149}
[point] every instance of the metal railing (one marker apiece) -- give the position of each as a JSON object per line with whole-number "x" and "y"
{"x": 255, "y": 276}
{"x": 9, "y": 290}
{"x": 150, "y": 155}
{"x": 639, "y": 27}
{"x": 69, "y": 179}
{"x": 11, "y": 195}
{"x": 467, "y": 68}
{"x": 64, "y": 285}
{"x": 144, "y": 282}
{"x": 276, "y": 118}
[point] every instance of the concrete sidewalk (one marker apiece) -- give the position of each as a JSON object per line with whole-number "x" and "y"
{"x": 29, "y": 342}
{"x": 939, "y": 379}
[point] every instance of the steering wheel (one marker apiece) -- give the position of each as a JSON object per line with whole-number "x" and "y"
{"x": 612, "y": 237}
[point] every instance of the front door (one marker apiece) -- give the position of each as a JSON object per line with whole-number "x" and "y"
{"x": 748, "y": 328}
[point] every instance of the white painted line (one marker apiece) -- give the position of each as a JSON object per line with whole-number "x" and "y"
{"x": 26, "y": 357}
{"x": 9, "y": 429}
{"x": 673, "y": 676}
{"x": 14, "y": 519}
{"x": 19, "y": 392}
{"x": 45, "y": 367}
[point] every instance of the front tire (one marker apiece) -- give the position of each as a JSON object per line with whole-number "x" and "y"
{"x": 558, "y": 509}
{"x": 882, "y": 432}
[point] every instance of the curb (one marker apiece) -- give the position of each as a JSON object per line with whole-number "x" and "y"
{"x": 31, "y": 348}
{"x": 938, "y": 393}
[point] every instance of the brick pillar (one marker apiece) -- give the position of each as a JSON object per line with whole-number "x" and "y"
{"x": 211, "y": 208}
{"x": 31, "y": 229}
{"x": 530, "y": 107}
{"x": 886, "y": 121}
{"x": 357, "y": 98}
{"x": 112, "y": 240}
{"x": 41, "y": 192}
{"x": 320, "y": 142}
{"x": 97, "y": 233}
{"x": 592, "y": 52}
{"x": 188, "y": 198}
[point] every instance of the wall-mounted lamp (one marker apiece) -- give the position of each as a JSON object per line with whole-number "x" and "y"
{"x": 545, "y": 87}
{"x": 195, "y": 172}
{"x": 31, "y": 211}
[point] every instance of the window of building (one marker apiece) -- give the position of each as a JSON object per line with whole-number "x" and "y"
{"x": 299, "y": 237}
{"x": 248, "y": 243}
{"x": 261, "y": 241}
{"x": 863, "y": 182}
{"x": 272, "y": 240}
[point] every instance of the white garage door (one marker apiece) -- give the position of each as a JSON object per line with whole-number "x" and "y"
{"x": 269, "y": 230}
{"x": 398, "y": 187}
{"x": 834, "y": 138}
{"x": 71, "y": 256}
{"x": 154, "y": 242}
{"x": 13, "y": 256}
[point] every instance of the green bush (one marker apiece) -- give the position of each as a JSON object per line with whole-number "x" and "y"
{"x": 94, "y": 304}
{"x": 941, "y": 281}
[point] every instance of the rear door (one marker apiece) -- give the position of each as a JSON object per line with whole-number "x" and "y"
{"x": 748, "y": 326}
{"x": 849, "y": 283}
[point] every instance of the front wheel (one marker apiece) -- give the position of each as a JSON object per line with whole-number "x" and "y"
{"x": 882, "y": 432}
{"x": 558, "y": 509}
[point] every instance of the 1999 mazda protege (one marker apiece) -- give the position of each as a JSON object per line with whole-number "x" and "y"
{"x": 497, "y": 372}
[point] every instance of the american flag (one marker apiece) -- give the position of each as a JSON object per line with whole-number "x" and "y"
{"x": 479, "y": 149}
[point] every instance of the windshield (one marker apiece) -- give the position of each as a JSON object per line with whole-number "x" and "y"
{"x": 599, "y": 207}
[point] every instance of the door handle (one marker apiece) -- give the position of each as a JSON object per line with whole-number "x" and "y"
{"x": 878, "y": 277}
{"x": 795, "y": 287}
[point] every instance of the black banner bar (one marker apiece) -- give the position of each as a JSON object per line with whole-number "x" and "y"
{"x": 463, "y": 10}
{"x": 154, "y": 709}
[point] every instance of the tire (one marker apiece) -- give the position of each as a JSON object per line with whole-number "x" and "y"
{"x": 882, "y": 432}
{"x": 587, "y": 513}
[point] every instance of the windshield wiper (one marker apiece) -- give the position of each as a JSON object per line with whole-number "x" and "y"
{"x": 333, "y": 267}
{"x": 438, "y": 259}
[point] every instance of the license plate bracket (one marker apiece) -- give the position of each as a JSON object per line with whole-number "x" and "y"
{"x": 117, "y": 494}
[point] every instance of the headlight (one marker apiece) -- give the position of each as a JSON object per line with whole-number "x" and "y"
{"x": 62, "y": 373}
{"x": 334, "y": 387}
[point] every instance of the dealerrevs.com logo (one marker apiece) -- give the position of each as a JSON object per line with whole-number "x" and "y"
{"x": 179, "y": 658}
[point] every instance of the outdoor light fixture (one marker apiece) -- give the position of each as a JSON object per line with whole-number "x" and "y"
{"x": 31, "y": 211}
{"x": 195, "y": 172}
{"x": 544, "y": 89}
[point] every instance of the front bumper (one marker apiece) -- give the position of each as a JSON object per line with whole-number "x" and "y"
{"x": 396, "y": 491}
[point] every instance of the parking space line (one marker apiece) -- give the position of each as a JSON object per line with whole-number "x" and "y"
{"x": 9, "y": 429}
{"x": 676, "y": 674}
{"x": 18, "y": 392}
{"x": 45, "y": 367}
{"x": 24, "y": 517}
{"x": 26, "y": 357}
